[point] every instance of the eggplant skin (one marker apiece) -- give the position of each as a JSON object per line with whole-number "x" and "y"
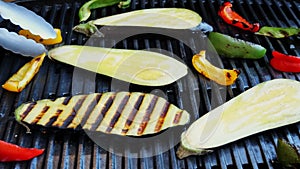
{"x": 121, "y": 113}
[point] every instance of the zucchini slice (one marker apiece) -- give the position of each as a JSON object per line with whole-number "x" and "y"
{"x": 133, "y": 66}
{"x": 269, "y": 105}
{"x": 121, "y": 113}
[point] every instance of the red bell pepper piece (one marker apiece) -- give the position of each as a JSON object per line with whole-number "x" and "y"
{"x": 233, "y": 18}
{"x": 11, "y": 152}
{"x": 285, "y": 63}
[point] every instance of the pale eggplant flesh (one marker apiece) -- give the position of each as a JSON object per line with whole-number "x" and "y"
{"x": 268, "y": 105}
{"x": 119, "y": 113}
{"x": 134, "y": 66}
{"x": 167, "y": 18}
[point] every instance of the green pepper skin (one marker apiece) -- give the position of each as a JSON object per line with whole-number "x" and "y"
{"x": 287, "y": 154}
{"x": 85, "y": 10}
{"x": 278, "y": 32}
{"x": 230, "y": 47}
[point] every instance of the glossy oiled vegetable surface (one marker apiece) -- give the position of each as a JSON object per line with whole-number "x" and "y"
{"x": 121, "y": 113}
{"x": 173, "y": 18}
{"x": 269, "y": 105}
{"x": 235, "y": 48}
{"x": 134, "y": 66}
{"x": 169, "y": 18}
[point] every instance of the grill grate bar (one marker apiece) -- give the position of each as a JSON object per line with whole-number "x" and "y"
{"x": 76, "y": 150}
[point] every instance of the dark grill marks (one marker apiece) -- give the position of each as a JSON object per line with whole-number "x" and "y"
{"x": 108, "y": 112}
{"x": 162, "y": 117}
{"x": 29, "y": 108}
{"x": 66, "y": 100}
{"x": 147, "y": 115}
{"x": 73, "y": 112}
{"x": 101, "y": 115}
{"x": 90, "y": 108}
{"x": 132, "y": 115}
{"x": 53, "y": 118}
{"x": 177, "y": 117}
{"x": 117, "y": 113}
{"x": 68, "y": 120}
{"x": 38, "y": 117}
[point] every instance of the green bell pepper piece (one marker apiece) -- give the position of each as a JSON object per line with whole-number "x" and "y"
{"x": 230, "y": 47}
{"x": 277, "y": 32}
{"x": 85, "y": 10}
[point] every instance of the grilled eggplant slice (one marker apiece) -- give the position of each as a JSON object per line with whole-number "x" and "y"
{"x": 269, "y": 105}
{"x": 133, "y": 66}
{"x": 121, "y": 113}
{"x": 168, "y": 18}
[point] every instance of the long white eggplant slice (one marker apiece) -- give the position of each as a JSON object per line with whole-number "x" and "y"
{"x": 26, "y": 19}
{"x": 19, "y": 44}
{"x": 269, "y": 105}
{"x": 133, "y": 66}
{"x": 121, "y": 113}
{"x": 170, "y": 18}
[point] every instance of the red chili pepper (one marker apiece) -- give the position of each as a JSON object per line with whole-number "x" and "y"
{"x": 285, "y": 63}
{"x": 11, "y": 152}
{"x": 233, "y": 18}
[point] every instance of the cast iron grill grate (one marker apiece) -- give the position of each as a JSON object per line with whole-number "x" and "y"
{"x": 76, "y": 150}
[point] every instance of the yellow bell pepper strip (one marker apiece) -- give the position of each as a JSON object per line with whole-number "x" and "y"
{"x": 19, "y": 80}
{"x": 38, "y": 39}
{"x": 220, "y": 76}
{"x": 85, "y": 10}
{"x": 278, "y": 32}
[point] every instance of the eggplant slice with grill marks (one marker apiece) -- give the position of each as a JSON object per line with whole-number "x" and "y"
{"x": 121, "y": 113}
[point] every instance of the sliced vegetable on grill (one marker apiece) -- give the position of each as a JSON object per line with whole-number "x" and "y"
{"x": 233, "y": 18}
{"x": 24, "y": 75}
{"x": 278, "y": 32}
{"x": 121, "y": 113}
{"x": 85, "y": 9}
{"x": 10, "y": 152}
{"x": 170, "y": 18}
{"x": 228, "y": 46}
{"x": 284, "y": 62}
{"x": 287, "y": 155}
{"x": 133, "y": 66}
{"x": 39, "y": 39}
{"x": 268, "y": 105}
{"x": 220, "y": 76}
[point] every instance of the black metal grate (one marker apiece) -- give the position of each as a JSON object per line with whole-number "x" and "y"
{"x": 76, "y": 150}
